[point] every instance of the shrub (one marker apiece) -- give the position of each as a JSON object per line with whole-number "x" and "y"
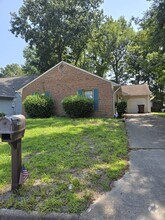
{"x": 156, "y": 106}
{"x": 2, "y": 114}
{"x": 121, "y": 107}
{"x": 78, "y": 106}
{"x": 39, "y": 106}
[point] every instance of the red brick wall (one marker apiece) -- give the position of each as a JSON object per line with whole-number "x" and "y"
{"x": 65, "y": 80}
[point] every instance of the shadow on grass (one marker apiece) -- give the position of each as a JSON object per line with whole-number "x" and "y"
{"x": 48, "y": 122}
{"x": 86, "y": 153}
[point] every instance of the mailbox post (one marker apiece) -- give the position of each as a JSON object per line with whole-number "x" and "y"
{"x": 12, "y": 130}
{"x": 16, "y": 160}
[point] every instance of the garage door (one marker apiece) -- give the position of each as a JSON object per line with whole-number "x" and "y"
{"x": 132, "y": 104}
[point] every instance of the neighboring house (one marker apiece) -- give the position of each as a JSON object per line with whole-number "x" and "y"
{"x": 10, "y": 99}
{"x": 65, "y": 80}
{"x": 137, "y": 97}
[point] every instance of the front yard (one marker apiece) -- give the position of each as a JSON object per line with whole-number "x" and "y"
{"x": 70, "y": 162}
{"x": 162, "y": 114}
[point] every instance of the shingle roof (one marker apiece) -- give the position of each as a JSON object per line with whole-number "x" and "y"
{"x": 114, "y": 84}
{"x": 8, "y": 86}
{"x": 135, "y": 90}
{"x": 82, "y": 70}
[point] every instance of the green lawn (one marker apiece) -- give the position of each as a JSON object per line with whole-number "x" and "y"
{"x": 70, "y": 161}
{"x": 162, "y": 114}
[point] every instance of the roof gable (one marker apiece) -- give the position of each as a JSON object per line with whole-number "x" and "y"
{"x": 85, "y": 71}
{"x": 9, "y": 85}
{"x": 135, "y": 90}
{"x": 65, "y": 63}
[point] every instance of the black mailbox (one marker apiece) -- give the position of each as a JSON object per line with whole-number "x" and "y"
{"x": 12, "y": 128}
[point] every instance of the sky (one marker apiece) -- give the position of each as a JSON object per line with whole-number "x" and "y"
{"x": 11, "y": 47}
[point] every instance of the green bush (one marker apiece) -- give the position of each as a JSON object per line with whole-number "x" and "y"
{"x": 2, "y": 114}
{"x": 39, "y": 106}
{"x": 121, "y": 107}
{"x": 78, "y": 106}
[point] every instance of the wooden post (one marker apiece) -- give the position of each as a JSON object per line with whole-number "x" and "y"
{"x": 16, "y": 160}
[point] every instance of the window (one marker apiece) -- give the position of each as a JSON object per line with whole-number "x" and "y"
{"x": 92, "y": 94}
{"x": 88, "y": 94}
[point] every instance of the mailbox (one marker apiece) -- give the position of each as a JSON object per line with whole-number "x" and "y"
{"x": 12, "y": 128}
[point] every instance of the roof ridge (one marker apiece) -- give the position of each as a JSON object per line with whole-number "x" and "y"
{"x": 69, "y": 64}
{"x": 2, "y": 80}
{"x": 64, "y": 62}
{"x": 136, "y": 90}
{"x": 136, "y": 84}
{"x": 41, "y": 75}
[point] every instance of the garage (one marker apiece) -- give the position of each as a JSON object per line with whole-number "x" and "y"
{"x": 133, "y": 103}
{"x": 137, "y": 97}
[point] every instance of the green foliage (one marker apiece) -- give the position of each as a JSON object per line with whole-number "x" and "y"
{"x": 121, "y": 107}
{"x": 31, "y": 66}
{"x": 145, "y": 55}
{"x": 39, "y": 106}
{"x": 161, "y": 114}
{"x": 1, "y": 72}
{"x": 136, "y": 57}
{"x": 78, "y": 106}
{"x": 148, "y": 51}
{"x": 11, "y": 70}
{"x": 78, "y": 32}
{"x": 107, "y": 48}
{"x": 55, "y": 27}
{"x": 154, "y": 23}
{"x": 156, "y": 106}
{"x": 70, "y": 163}
{"x": 2, "y": 114}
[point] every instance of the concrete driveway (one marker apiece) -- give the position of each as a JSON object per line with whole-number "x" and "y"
{"x": 146, "y": 131}
{"x": 140, "y": 193}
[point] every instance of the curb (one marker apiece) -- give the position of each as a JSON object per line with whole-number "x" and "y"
{"x": 7, "y": 214}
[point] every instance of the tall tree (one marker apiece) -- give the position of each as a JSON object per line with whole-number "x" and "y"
{"x": 154, "y": 22}
{"x": 136, "y": 58}
{"x": 11, "y": 70}
{"x": 108, "y": 47}
{"x": 144, "y": 64}
{"x": 31, "y": 66}
{"x": 53, "y": 27}
{"x": 1, "y": 72}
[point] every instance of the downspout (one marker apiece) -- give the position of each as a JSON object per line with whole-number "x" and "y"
{"x": 114, "y": 99}
{"x": 149, "y": 104}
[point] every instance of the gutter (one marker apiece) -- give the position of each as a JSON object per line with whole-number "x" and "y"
{"x": 8, "y": 97}
{"x": 114, "y": 100}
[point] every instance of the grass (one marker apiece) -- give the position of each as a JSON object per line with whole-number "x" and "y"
{"x": 162, "y": 114}
{"x": 70, "y": 161}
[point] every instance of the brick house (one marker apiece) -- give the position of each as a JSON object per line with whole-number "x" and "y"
{"x": 65, "y": 80}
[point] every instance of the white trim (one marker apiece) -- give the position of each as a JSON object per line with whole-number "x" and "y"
{"x": 114, "y": 92}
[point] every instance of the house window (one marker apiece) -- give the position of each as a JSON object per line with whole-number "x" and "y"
{"x": 92, "y": 94}
{"x": 88, "y": 94}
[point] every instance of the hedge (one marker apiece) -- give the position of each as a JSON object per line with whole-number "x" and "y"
{"x": 121, "y": 107}
{"x": 39, "y": 106}
{"x": 78, "y": 106}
